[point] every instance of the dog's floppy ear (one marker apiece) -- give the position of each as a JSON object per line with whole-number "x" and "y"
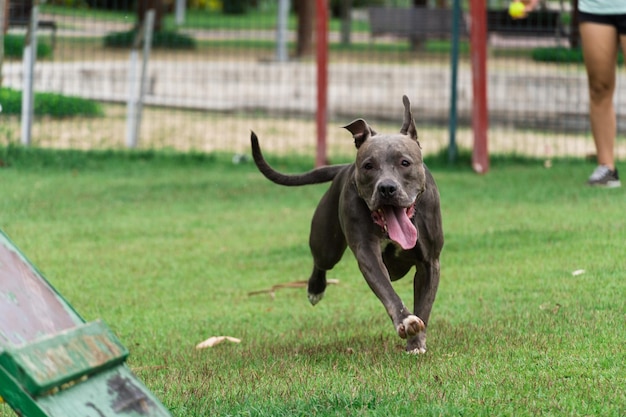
{"x": 360, "y": 131}
{"x": 408, "y": 127}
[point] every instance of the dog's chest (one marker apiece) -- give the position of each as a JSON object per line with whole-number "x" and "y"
{"x": 389, "y": 247}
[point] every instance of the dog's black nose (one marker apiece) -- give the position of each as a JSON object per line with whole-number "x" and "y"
{"x": 387, "y": 190}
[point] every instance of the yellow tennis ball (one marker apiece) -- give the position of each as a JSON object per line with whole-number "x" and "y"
{"x": 517, "y": 9}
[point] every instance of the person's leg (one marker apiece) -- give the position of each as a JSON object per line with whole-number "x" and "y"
{"x": 600, "y": 46}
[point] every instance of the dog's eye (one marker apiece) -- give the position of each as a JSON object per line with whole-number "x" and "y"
{"x": 368, "y": 165}
{"x": 405, "y": 163}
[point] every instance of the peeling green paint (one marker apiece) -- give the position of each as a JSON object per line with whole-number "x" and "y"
{"x": 52, "y": 363}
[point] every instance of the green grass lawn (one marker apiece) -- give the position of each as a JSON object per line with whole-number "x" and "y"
{"x": 165, "y": 248}
{"x": 256, "y": 19}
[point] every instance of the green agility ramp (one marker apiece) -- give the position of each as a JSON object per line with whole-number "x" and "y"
{"x": 52, "y": 363}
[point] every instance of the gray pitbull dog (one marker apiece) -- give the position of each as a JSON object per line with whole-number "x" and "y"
{"x": 385, "y": 207}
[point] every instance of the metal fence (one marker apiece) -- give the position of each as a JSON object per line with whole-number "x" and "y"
{"x": 209, "y": 97}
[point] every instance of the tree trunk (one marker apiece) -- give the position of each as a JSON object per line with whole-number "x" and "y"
{"x": 5, "y": 14}
{"x": 346, "y": 21}
{"x": 416, "y": 44}
{"x": 574, "y": 32}
{"x": 144, "y": 5}
{"x": 306, "y": 18}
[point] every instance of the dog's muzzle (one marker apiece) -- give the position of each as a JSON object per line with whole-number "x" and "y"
{"x": 397, "y": 222}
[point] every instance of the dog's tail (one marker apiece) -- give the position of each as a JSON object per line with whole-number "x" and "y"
{"x": 315, "y": 176}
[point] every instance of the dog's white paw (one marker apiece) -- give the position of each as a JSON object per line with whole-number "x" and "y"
{"x": 315, "y": 298}
{"x": 410, "y": 326}
{"x": 416, "y": 351}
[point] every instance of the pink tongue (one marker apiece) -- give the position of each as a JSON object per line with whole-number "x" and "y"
{"x": 400, "y": 228}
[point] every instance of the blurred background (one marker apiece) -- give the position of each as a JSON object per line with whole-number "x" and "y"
{"x": 215, "y": 70}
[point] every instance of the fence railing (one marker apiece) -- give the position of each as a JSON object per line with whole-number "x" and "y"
{"x": 210, "y": 97}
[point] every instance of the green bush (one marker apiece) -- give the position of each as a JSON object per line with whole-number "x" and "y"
{"x": 14, "y": 47}
{"x": 124, "y": 5}
{"x": 69, "y": 3}
{"x": 562, "y": 55}
{"x": 235, "y": 6}
{"x": 161, "y": 39}
{"x": 49, "y": 104}
{"x": 335, "y": 5}
{"x": 557, "y": 54}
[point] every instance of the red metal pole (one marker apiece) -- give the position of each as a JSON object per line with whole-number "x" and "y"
{"x": 480, "y": 114}
{"x": 322, "y": 79}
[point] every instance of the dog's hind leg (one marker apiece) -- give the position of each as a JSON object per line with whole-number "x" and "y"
{"x": 425, "y": 286}
{"x": 317, "y": 285}
{"x": 327, "y": 244}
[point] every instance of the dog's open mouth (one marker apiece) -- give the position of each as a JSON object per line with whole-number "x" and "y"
{"x": 396, "y": 221}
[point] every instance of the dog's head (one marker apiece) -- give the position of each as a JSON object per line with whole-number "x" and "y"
{"x": 390, "y": 175}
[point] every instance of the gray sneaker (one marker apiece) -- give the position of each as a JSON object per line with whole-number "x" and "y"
{"x": 604, "y": 177}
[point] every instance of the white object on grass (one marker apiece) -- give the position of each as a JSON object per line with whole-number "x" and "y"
{"x": 215, "y": 340}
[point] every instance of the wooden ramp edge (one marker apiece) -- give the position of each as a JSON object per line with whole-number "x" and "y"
{"x": 52, "y": 363}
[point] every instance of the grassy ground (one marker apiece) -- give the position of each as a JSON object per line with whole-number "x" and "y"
{"x": 165, "y": 248}
{"x": 263, "y": 18}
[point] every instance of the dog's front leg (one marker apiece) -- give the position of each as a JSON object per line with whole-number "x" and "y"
{"x": 425, "y": 285}
{"x": 373, "y": 269}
